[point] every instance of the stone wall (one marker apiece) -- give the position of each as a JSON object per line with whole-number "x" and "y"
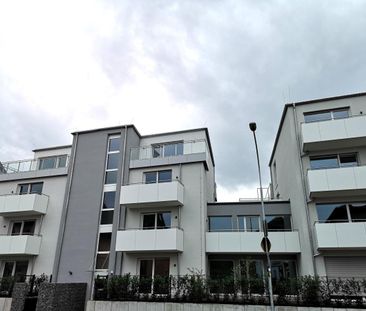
{"x": 161, "y": 306}
{"x": 61, "y": 297}
{"x": 5, "y": 304}
{"x": 19, "y": 294}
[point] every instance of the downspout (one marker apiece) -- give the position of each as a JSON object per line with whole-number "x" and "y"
{"x": 304, "y": 187}
{"x": 66, "y": 209}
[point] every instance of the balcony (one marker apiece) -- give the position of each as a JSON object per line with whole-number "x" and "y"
{"x": 283, "y": 242}
{"x": 157, "y": 194}
{"x": 333, "y": 134}
{"x": 341, "y": 181}
{"x": 20, "y": 244}
{"x": 157, "y": 240}
{"x": 34, "y": 168}
{"x": 345, "y": 235}
{"x": 23, "y": 205}
{"x": 193, "y": 151}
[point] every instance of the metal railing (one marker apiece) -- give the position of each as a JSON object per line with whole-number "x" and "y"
{"x": 26, "y": 166}
{"x": 332, "y": 221}
{"x": 253, "y": 230}
{"x": 188, "y": 147}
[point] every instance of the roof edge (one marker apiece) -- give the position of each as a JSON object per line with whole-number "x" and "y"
{"x": 117, "y": 127}
{"x": 52, "y": 148}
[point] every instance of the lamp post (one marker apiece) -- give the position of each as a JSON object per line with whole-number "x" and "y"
{"x": 266, "y": 245}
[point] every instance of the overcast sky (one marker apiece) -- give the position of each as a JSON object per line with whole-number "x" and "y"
{"x": 172, "y": 65}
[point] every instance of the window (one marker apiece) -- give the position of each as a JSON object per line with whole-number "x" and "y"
{"x": 278, "y": 223}
{"x": 108, "y": 199}
{"x": 158, "y": 177}
{"x": 107, "y": 218}
{"x": 248, "y": 223}
{"x": 221, "y": 268}
{"x": 167, "y": 150}
{"x": 283, "y": 269}
{"x": 31, "y": 188}
{"x": 102, "y": 261}
{"x": 326, "y": 115}
{"x": 160, "y": 220}
{"x": 25, "y": 227}
{"x": 152, "y": 268}
{"x": 52, "y": 162}
{"x": 114, "y": 144}
{"x": 220, "y": 223}
{"x": 112, "y": 161}
{"x": 333, "y": 161}
{"x": 18, "y": 269}
{"x": 104, "y": 242}
{"x": 341, "y": 212}
{"x": 111, "y": 177}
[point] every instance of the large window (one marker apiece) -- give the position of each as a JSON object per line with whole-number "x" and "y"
{"x": 325, "y": 115}
{"x": 248, "y": 223}
{"x": 161, "y": 220}
{"x": 333, "y": 161}
{"x": 341, "y": 212}
{"x": 52, "y": 162}
{"x": 113, "y": 157}
{"x": 25, "y": 227}
{"x": 221, "y": 268}
{"x": 278, "y": 222}
{"x": 154, "y": 268}
{"x": 17, "y": 269}
{"x": 220, "y": 223}
{"x": 158, "y": 176}
{"x": 167, "y": 150}
{"x": 31, "y": 188}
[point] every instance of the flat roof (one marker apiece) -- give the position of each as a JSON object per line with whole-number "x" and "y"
{"x": 52, "y": 148}
{"x": 306, "y": 102}
{"x": 117, "y": 127}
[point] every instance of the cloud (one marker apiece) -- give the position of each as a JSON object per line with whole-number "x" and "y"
{"x": 170, "y": 65}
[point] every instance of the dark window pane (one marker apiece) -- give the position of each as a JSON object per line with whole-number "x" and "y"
{"x": 165, "y": 176}
{"x": 358, "y": 211}
{"x": 23, "y": 189}
{"x": 340, "y": 114}
{"x": 221, "y": 269}
{"x": 107, "y": 218}
{"x": 21, "y": 268}
{"x": 114, "y": 144}
{"x": 161, "y": 267}
{"x": 150, "y": 177}
{"x": 157, "y": 151}
{"x": 47, "y": 163}
{"x": 348, "y": 160}
{"x": 180, "y": 148}
{"x": 252, "y": 223}
{"x": 111, "y": 177}
{"x": 163, "y": 220}
{"x": 112, "y": 162}
{"x": 62, "y": 161}
{"x": 278, "y": 223}
{"x": 251, "y": 268}
{"x": 8, "y": 268}
{"x": 149, "y": 221}
{"x": 324, "y": 162}
{"x": 332, "y": 212}
{"x": 220, "y": 223}
{"x": 17, "y": 227}
{"x": 318, "y": 116}
{"x": 170, "y": 150}
{"x": 146, "y": 268}
{"x": 102, "y": 261}
{"x": 36, "y": 188}
{"x": 109, "y": 198}
{"x": 282, "y": 270}
{"x": 28, "y": 227}
{"x": 104, "y": 242}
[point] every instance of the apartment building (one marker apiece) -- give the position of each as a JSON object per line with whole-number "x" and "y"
{"x": 135, "y": 204}
{"x": 318, "y": 163}
{"x": 31, "y": 196}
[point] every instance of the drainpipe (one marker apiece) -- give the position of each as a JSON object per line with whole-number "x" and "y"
{"x": 304, "y": 187}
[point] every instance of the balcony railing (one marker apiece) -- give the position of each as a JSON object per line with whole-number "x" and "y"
{"x": 146, "y": 152}
{"x": 20, "y": 244}
{"x": 149, "y": 240}
{"x": 23, "y": 205}
{"x": 26, "y": 166}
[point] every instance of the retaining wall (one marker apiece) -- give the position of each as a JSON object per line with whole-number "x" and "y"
{"x": 167, "y": 306}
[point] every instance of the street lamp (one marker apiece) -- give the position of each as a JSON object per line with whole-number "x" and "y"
{"x": 266, "y": 245}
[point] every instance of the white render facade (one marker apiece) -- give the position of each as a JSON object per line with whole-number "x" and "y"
{"x": 318, "y": 163}
{"x": 31, "y": 201}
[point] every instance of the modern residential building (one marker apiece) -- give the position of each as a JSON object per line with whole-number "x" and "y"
{"x": 319, "y": 164}
{"x": 31, "y": 196}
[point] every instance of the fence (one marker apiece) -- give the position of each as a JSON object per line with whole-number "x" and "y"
{"x": 301, "y": 291}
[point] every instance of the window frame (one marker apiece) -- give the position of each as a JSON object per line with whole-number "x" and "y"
{"x": 331, "y": 111}
{"x": 221, "y": 216}
{"x": 348, "y": 210}
{"x": 162, "y": 146}
{"x": 245, "y": 223}
{"x": 157, "y": 177}
{"x": 56, "y": 163}
{"x": 155, "y": 220}
{"x": 338, "y": 158}
{"x": 21, "y": 232}
{"x": 29, "y": 188}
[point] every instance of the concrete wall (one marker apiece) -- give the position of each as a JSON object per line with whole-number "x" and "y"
{"x": 167, "y": 306}
{"x": 5, "y": 304}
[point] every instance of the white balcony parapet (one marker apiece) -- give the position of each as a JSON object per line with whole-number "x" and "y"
{"x": 347, "y": 235}
{"x": 23, "y": 205}
{"x": 167, "y": 194}
{"x": 325, "y": 182}
{"x": 162, "y": 240}
{"x": 20, "y": 244}
{"x": 338, "y": 133}
{"x": 249, "y": 242}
